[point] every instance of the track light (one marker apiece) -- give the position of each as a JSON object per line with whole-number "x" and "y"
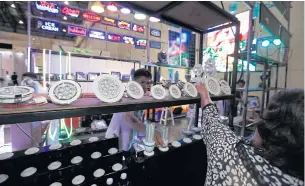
{"x": 277, "y": 42}
{"x": 265, "y": 43}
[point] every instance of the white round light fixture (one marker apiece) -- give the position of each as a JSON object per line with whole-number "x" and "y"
{"x": 112, "y": 7}
{"x": 174, "y": 91}
{"x": 212, "y": 85}
{"x": 15, "y": 94}
{"x": 97, "y": 7}
{"x": 154, "y": 19}
{"x": 225, "y": 87}
{"x": 134, "y": 90}
{"x": 158, "y": 92}
{"x": 190, "y": 90}
{"x": 139, "y": 16}
{"x": 65, "y": 92}
{"x": 125, "y": 10}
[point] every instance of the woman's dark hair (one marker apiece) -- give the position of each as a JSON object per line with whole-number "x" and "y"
{"x": 142, "y": 72}
{"x": 282, "y": 132}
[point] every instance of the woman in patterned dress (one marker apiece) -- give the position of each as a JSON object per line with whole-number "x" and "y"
{"x": 275, "y": 157}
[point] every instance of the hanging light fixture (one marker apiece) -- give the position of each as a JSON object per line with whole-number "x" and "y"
{"x": 154, "y": 19}
{"x": 97, "y": 7}
{"x": 125, "y": 10}
{"x": 112, "y": 7}
{"x": 277, "y": 42}
{"x": 265, "y": 43}
{"x": 139, "y": 16}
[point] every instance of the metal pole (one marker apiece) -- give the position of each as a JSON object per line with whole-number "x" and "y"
{"x": 245, "y": 93}
{"x": 286, "y": 67}
{"x": 264, "y": 87}
{"x": 200, "y": 48}
{"x": 29, "y": 61}
{"x": 268, "y": 86}
{"x": 226, "y": 73}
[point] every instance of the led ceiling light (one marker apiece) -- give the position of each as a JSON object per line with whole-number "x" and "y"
{"x": 190, "y": 90}
{"x": 277, "y": 42}
{"x": 158, "y": 92}
{"x": 97, "y": 7}
{"x": 225, "y": 87}
{"x": 13, "y": 6}
{"x": 65, "y": 18}
{"x": 108, "y": 88}
{"x": 125, "y": 10}
{"x": 20, "y": 22}
{"x": 134, "y": 90}
{"x": 139, "y": 16}
{"x": 112, "y": 7}
{"x": 174, "y": 91}
{"x": 15, "y": 94}
{"x": 65, "y": 92}
{"x": 66, "y": 2}
{"x": 154, "y": 19}
{"x": 212, "y": 85}
{"x": 265, "y": 43}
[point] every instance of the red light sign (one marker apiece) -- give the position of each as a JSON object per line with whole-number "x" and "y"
{"x": 92, "y": 17}
{"x": 109, "y": 21}
{"x": 124, "y": 25}
{"x": 47, "y": 6}
{"x": 114, "y": 37}
{"x": 74, "y": 30}
{"x": 70, "y": 11}
{"x": 138, "y": 28}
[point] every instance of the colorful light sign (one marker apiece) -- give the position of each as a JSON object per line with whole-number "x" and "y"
{"x": 48, "y": 25}
{"x": 91, "y": 17}
{"x": 97, "y": 34}
{"x": 124, "y": 25}
{"x": 155, "y": 32}
{"x": 114, "y": 38}
{"x": 129, "y": 40}
{"x": 140, "y": 43}
{"x": 138, "y": 28}
{"x": 155, "y": 44}
{"x": 46, "y": 6}
{"x": 109, "y": 21}
{"x": 75, "y": 30}
{"x": 67, "y": 11}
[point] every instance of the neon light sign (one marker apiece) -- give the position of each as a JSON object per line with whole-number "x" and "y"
{"x": 124, "y": 25}
{"x": 75, "y": 30}
{"x": 91, "y": 17}
{"x": 109, "y": 21}
{"x": 48, "y": 25}
{"x": 140, "y": 43}
{"x": 114, "y": 37}
{"x": 47, "y": 6}
{"x": 138, "y": 28}
{"x": 128, "y": 40}
{"x": 97, "y": 34}
{"x": 70, "y": 11}
{"x": 155, "y": 32}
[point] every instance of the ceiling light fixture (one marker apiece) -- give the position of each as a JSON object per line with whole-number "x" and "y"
{"x": 140, "y": 16}
{"x": 97, "y": 7}
{"x": 125, "y": 10}
{"x": 65, "y": 18}
{"x": 20, "y": 22}
{"x": 277, "y": 42}
{"x": 66, "y": 2}
{"x": 265, "y": 43}
{"x": 64, "y": 30}
{"x": 154, "y": 19}
{"x": 112, "y": 7}
{"x": 13, "y": 5}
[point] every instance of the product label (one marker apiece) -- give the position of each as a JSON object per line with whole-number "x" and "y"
{"x": 47, "y": 6}
{"x": 97, "y": 34}
{"x": 109, "y": 21}
{"x": 92, "y": 17}
{"x": 124, "y": 25}
{"x": 48, "y": 25}
{"x": 140, "y": 43}
{"x": 114, "y": 37}
{"x": 70, "y": 11}
{"x": 75, "y": 30}
{"x": 128, "y": 40}
{"x": 138, "y": 28}
{"x": 155, "y": 32}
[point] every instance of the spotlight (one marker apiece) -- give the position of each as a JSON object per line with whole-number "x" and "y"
{"x": 277, "y": 42}
{"x": 64, "y": 30}
{"x": 154, "y": 19}
{"x": 13, "y": 6}
{"x": 265, "y": 43}
{"x": 65, "y": 18}
{"x": 20, "y": 22}
{"x": 97, "y": 7}
{"x": 125, "y": 10}
{"x": 66, "y": 2}
{"x": 140, "y": 16}
{"x": 112, "y": 7}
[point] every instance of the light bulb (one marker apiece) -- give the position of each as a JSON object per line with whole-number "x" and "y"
{"x": 140, "y": 16}
{"x": 125, "y": 10}
{"x": 97, "y": 7}
{"x": 112, "y": 7}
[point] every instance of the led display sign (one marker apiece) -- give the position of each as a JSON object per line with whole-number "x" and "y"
{"x": 67, "y": 11}
{"x": 140, "y": 43}
{"x": 46, "y": 6}
{"x": 124, "y": 25}
{"x": 97, "y": 34}
{"x": 109, "y": 21}
{"x": 75, "y": 30}
{"x": 155, "y": 44}
{"x": 114, "y": 37}
{"x": 138, "y": 28}
{"x": 128, "y": 40}
{"x": 91, "y": 17}
{"x": 48, "y": 25}
{"x": 155, "y": 32}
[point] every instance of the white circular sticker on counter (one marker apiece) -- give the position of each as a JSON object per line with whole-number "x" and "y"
{"x": 28, "y": 172}
{"x": 55, "y": 146}
{"x": 3, "y": 178}
{"x": 187, "y": 140}
{"x": 78, "y": 180}
{"x": 93, "y": 139}
{"x": 98, "y": 173}
{"x": 96, "y": 155}
{"x": 75, "y": 142}
{"x": 56, "y": 184}
{"x": 117, "y": 167}
{"x": 113, "y": 151}
{"x": 54, "y": 165}
{"x": 176, "y": 144}
{"x": 32, "y": 150}
{"x": 197, "y": 137}
{"x": 76, "y": 160}
{"x": 6, "y": 155}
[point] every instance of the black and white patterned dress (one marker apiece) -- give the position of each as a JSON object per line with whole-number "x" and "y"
{"x": 231, "y": 161}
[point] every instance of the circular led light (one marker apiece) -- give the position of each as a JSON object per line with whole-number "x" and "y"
{"x": 28, "y": 172}
{"x": 175, "y": 91}
{"x": 76, "y": 160}
{"x": 212, "y": 85}
{"x": 163, "y": 149}
{"x": 139, "y": 16}
{"x": 65, "y": 92}
{"x": 15, "y": 94}
{"x": 109, "y": 181}
{"x": 224, "y": 87}
{"x": 197, "y": 137}
{"x": 190, "y": 89}
{"x": 176, "y": 144}
{"x": 187, "y": 140}
{"x": 112, "y": 7}
{"x": 265, "y": 43}
{"x": 97, "y": 7}
{"x": 108, "y": 88}
{"x": 277, "y": 42}
{"x": 134, "y": 90}
{"x": 98, "y": 173}
{"x": 3, "y": 178}
{"x": 6, "y": 155}
{"x": 75, "y": 142}
{"x": 32, "y": 150}
{"x": 96, "y": 155}
{"x": 117, "y": 167}
{"x": 154, "y": 19}
{"x": 56, "y": 184}
{"x": 78, "y": 180}
{"x": 93, "y": 139}
{"x": 55, "y": 146}
{"x": 112, "y": 151}
{"x": 54, "y": 165}
{"x": 158, "y": 92}
{"x": 125, "y": 10}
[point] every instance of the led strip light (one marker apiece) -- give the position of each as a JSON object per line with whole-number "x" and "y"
{"x": 15, "y": 94}
{"x": 134, "y": 90}
{"x": 212, "y": 85}
{"x": 190, "y": 90}
{"x": 108, "y": 88}
{"x": 63, "y": 126}
{"x": 225, "y": 87}
{"x": 174, "y": 91}
{"x": 158, "y": 92}
{"x": 65, "y": 92}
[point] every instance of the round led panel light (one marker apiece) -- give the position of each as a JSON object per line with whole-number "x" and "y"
{"x": 158, "y": 92}
{"x": 28, "y": 172}
{"x": 225, "y": 87}
{"x": 174, "y": 91}
{"x": 212, "y": 85}
{"x": 117, "y": 167}
{"x": 134, "y": 90}
{"x": 14, "y": 94}
{"x": 98, "y": 173}
{"x": 3, "y": 178}
{"x": 108, "y": 88}
{"x": 65, "y": 92}
{"x": 32, "y": 150}
{"x": 77, "y": 180}
{"x": 6, "y": 155}
{"x": 190, "y": 89}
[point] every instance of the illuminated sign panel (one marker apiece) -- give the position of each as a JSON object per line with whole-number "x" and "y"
{"x": 155, "y": 32}
{"x": 138, "y": 28}
{"x": 48, "y": 25}
{"x": 75, "y": 30}
{"x": 91, "y": 17}
{"x": 97, "y": 34}
{"x": 124, "y": 25}
{"x": 114, "y": 38}
{"x": 129, "y": 40}
{"x": 46, "y": 6}
{"x": 155, "y": 44}
{"x": 140, "y": 43}
{"x": 67, "y": 11}
{"x": 109, "y": 21}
